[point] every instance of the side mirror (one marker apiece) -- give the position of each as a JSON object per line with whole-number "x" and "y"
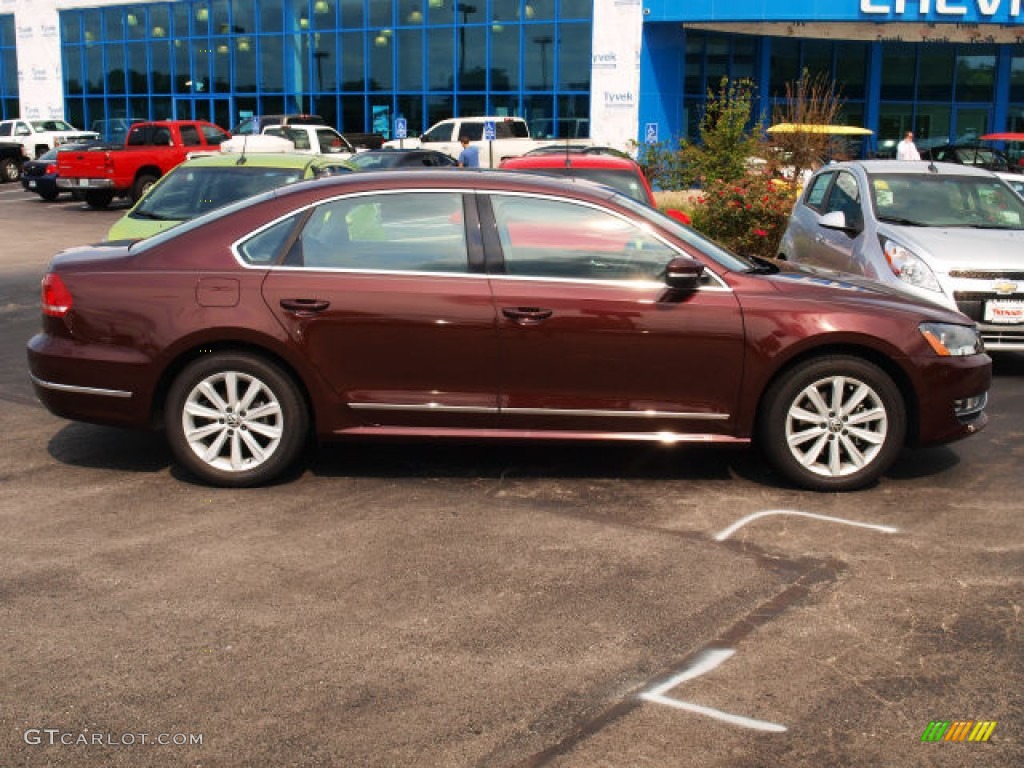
{"x": 683, "y": 274}
{"x": 835, "y": 220}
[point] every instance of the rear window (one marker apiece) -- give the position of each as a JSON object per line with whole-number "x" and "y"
{"x": 622, "y": 181}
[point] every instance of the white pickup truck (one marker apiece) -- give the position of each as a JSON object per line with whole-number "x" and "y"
{"x": 39, "y": 136}
{"x": 313, "y": 139}
{"x": 511, "y": 138}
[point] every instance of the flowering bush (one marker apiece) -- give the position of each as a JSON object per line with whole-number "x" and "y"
{"x": 747, "y": 215}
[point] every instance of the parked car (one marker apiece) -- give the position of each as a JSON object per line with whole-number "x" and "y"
{"x": 39, "y": 136}
{"x": 377, "y": 159}
{"x": 206, "y": 182}
{"x": 11, "y": 160}
{"x": 313, "y": 139}
{"x": 976, "y": 155}
{"x": 149, "y": 151}
{"x": 585, "y": 149}
{"x": 441, "y": 304}
{"x": 953, "y": 234}
{"x": 40, "y": 175}
{"x": 255, "y": 124}
{"x": 620, "y": 173}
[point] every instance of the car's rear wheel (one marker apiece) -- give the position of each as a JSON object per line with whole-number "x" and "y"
{"x": 98, "y": 198}
{"x": 235, "y": 419}
{"x": 833, "y": 424}
{"x": 140, "y": 186}
{"x": 49, "y": 195}
{"x": 9, "y": 170}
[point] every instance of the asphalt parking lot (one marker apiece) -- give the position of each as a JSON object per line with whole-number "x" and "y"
{"x": 493, "y": 605}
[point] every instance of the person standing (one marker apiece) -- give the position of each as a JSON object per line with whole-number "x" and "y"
{"x": 906, "y": 149}
{"x": 469, "y": 157}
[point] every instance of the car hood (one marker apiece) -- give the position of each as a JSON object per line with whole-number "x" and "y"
{"x": 958, "y": 247}
{"x": 804, "y": 281}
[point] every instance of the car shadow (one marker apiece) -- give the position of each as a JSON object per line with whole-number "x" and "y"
{"x": 99, "y": 447}
{"x": 1007, "y": 363}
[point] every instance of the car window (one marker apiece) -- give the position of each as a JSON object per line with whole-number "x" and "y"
{"x": 188, "y": 191}
{"x": 625, "y": 181}
{"x": 815, "y": 196}
{"x": 330, "y": 142}
{"x": 544, "y": 237}
{"x": 265, "y": 246}
{"x": 408, "y": 231}
{"x": 472, "y": 131}
{"x": 5, "y": 129}
{"x": 214, "y": 135}
{"x": 190, "y": 136}
{"x": 845, "y": 197}
{"x": 442, "y": 132}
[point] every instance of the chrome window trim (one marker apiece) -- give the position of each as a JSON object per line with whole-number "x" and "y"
{"x": 78, "y": 390}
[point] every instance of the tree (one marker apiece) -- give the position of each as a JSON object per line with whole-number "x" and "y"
{"x": 812, "y": 100}
{"x": 727, "y": 137}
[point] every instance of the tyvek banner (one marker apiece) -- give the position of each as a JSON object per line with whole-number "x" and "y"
{"x": 37, "y": 32}
{"x": 615, "y": 72}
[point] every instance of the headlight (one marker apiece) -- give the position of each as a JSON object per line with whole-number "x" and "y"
{"x": 952, "y": 340}
{"x": 908, "y": 266}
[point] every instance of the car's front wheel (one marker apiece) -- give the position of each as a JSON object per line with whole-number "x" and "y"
{"x": 235, "y": 419}
{"x": 833, "y": 424}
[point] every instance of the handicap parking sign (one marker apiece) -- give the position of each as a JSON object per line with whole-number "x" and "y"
{"x": 651, "y": 133}
{"x": 490, "y": 134}
{"x": 401, "y": 128}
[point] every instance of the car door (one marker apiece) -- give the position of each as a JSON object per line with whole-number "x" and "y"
{"x": 591, "y": 339}
{"x": 385, "y": 296}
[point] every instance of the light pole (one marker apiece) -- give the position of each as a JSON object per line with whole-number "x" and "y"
{"x": 544, "y": 41}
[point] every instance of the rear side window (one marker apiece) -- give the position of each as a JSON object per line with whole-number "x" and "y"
{"x": 190, "y": 136}
{"x": 472, "y": 131}
{"x": 409, "y": 231}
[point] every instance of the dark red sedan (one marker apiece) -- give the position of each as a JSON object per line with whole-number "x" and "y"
{"x": 463, "y": 304}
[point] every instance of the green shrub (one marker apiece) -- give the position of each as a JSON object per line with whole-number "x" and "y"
{"x": 746, "y": 215}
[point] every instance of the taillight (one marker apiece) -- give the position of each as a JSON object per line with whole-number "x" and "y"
{"x": 56, "y": 297}
{"x": 51, "y": 169}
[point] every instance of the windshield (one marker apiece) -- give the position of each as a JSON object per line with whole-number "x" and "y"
{"x": 932, "y": 200}
{"x": 189, "y": 192}
{"x": 51, "y": 125}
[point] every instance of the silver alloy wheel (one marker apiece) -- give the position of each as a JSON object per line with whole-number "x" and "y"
{"x": 836, "y": 426}
{"x": 232, "y": 421}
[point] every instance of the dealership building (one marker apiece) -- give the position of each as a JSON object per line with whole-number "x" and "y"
{"x": 624, "y": 70}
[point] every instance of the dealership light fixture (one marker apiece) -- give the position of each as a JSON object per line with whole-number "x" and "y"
{"x": 321, "y": 7}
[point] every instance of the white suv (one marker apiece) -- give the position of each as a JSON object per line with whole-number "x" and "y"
{"x": 40, "y": 136}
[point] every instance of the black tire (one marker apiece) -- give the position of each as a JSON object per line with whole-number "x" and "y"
{"x": 50, "y": 195}
{"x": 9, "y": 170}
{"x": 144, "y": 182}
{"x": 247, "y": 433}
{"x": 98, "y": 198}
{"x": 833, "y": 423}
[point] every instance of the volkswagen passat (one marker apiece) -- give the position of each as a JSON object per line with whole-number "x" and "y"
{"x": 952, "y": 234}
{"x": 460, "y": 304}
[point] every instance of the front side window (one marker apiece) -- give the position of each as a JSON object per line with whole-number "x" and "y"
{"x": 408, "y": 231}
{"x": 190, "y": 136}
{"x": 543, "y": 237}
{"x": 845, "y": 198}
{"x": 816, "y": 191}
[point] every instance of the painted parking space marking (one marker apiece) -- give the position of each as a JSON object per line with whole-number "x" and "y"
{"x": 704, "y": 663}
{"x": 725, "y": 534}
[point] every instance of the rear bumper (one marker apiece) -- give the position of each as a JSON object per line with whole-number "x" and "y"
{"x": 83, "y": 183}
{"x": 107, "y": 387}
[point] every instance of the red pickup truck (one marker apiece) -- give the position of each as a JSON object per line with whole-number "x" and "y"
{"x": 150, "y": 150}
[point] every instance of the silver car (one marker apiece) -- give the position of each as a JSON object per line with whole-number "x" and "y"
{"x": 949, "y": 233}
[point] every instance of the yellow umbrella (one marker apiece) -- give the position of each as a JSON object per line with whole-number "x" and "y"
{"x": 837, "y": 130}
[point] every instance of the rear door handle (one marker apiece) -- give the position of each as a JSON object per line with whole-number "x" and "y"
{"x": 527, "y": 315}
{"x": 305, "y": 307}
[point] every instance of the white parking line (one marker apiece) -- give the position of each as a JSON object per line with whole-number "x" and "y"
{"x": 704, "y": 663}
{"x": 826, "y": 518}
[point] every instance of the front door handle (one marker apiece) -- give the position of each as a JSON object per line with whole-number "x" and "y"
{"x": 305, "y": 307}
{"x": 527, "y": 315}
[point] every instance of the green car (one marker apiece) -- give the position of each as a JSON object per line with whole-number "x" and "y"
{"x": 209, "y": 181}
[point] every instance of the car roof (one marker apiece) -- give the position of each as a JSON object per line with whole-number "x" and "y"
{"x": 570, "y": 160}
{"x": 258, "y": 159}
{"x": 457, "y": 179}
{"x": 909, "y": 167}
